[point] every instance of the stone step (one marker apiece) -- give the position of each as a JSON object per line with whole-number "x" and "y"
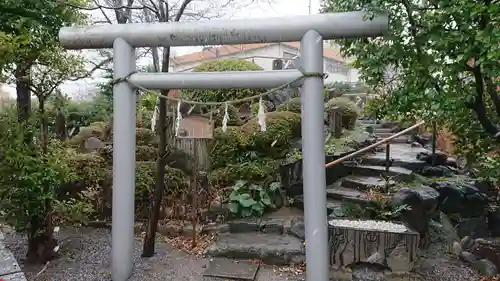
{"x": 384, "y": 135}
{"x": 273, "y": 249}
{"x": 399, "y": 140}
{"x": 397, "y": 173}
{"x": 331, "y": 204}
{"x": 364, "y": 183}
{"x": 272, "y": 225}
{"x": 403, "y": 155}
{"x": 347, "y": 194}
{"x": 381, "y": 130}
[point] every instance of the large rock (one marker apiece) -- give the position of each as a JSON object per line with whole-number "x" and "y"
{"x": 450, "y": 197}
{"x": 474, "y": 227}
{"x": 494, "y": 222}
{"x": 436, "y": 171}
{"x": 423, "y": 139}
{"x": 475, "y": 203}
{"x": 485, "y": 267}
{"x": 460, "y": 198}
{"x": 417, "y": 215}
{"x": 488, "y": 249}
{"x": 426, "y": 156}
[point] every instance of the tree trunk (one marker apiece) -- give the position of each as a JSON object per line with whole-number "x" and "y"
{"x": 61, "y": 130}
{"x": 149, "y": 238}
{"x": 41, "y": 242}
{"x": 23, "y": 92}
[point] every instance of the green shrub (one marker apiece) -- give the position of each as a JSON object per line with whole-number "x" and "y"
{"x": 145, "y": 153}
{"x": 252, "y": 199}
{"x": 145, "y": 177}
{"x": 144, "y": 119}
{"x": 144, "y": 136}
{"x": 281, "y": 129}
{"x": 218, "y": 115}
{"x": 91, "y": 168}
{"x": 31, "y": 181}
{"x": 257, "y": 170}
{"x": 350, "y": 111}
{"x": 255, "y": 107}
{"x": 292, "y": 105}
{"x": 376, "y": 108}
{"x": 226, "y": 146}
{"x": 222, "y": 95}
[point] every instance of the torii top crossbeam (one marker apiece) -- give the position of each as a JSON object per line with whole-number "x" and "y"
{"x": 224, "y": 32}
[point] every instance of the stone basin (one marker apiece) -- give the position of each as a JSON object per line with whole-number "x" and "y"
{"x": 391, "y": 245}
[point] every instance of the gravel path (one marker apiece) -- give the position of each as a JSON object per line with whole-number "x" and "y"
{"x": 85, "y": 256}
{"x": 437, "y": 265}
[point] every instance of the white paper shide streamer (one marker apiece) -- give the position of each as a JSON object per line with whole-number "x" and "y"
{"x": 262, "y": 116}
{"x": 178, "y": 119}
{"x": 225, "y": 119}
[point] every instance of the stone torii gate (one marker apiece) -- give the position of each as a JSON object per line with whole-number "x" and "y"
{"x": 311, "y": 30}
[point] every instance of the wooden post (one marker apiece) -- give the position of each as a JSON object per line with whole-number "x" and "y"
{"x": 335, "y": 122}
{"x": 334, "y": 116}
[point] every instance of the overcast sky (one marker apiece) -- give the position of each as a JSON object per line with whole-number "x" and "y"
{"x": 259, "y": 9}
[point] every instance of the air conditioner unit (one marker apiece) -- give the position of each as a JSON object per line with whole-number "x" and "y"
{"x": 277, "y": 64}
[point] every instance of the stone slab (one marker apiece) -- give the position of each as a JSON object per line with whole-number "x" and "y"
{"x": 270, "y": 248}
{"x": 231, "y": 269}
{"x": 349, "y": 245}
{"x": 398, "y": 173}
{"x": 14, "y": 277}
{"x": 348, "y": 194}
{"x": 331, "y": 204}
{"x": 9, "y": 268}
{"x": 8, "y": 263}
{"x": 365, "y": 183}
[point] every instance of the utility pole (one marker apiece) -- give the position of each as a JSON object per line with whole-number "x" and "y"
{"x": 310, "y": 6}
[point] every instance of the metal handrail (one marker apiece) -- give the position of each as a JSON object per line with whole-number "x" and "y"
{"x": 372, "y": 146}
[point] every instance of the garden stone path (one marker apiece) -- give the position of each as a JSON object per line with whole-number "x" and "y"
{"x": 85, "y": 256}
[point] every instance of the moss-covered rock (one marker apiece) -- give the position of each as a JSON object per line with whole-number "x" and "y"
{"x": 292, "y": 105}
{"x": 226, "y": 146}
{"x": 281, "y": 129}
{"x": 350, "y": 111}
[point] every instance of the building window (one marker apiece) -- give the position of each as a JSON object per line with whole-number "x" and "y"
{"x": 288, "y": 55}
{"x": 331, "y": 68}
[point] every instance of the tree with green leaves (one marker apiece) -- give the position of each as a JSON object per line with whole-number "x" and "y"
{"x": 439, "y": 62}
{"x": 28, "y": 30}
{"x": 32, "y": 166}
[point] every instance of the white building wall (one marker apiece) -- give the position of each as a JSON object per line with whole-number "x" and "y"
{"x": 264, "y": 58}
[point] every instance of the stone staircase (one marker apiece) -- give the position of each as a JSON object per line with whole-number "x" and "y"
{"x": 368, "y": 173}
{"x": 278, "y": 238}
